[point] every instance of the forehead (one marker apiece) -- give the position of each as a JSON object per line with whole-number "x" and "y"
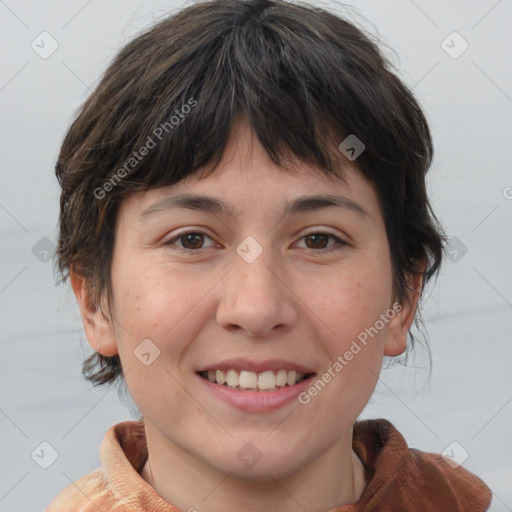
{"x": 263, "y": 199}
{"x": 247, "y": 178}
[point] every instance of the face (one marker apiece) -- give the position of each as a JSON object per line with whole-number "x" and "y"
{"x": 257, "y": 294}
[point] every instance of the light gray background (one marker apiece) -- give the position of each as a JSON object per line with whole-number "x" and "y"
{"x": 468, "y": 101}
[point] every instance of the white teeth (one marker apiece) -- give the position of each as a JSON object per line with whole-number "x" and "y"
{"x": 221, "y": 377}
{"x": 247, "y": 379}
{"x": 281, "y": 378}
{"x": 290, "y": 380}
{"x": 267, "y": 380}
{"x": 232, "y": 378}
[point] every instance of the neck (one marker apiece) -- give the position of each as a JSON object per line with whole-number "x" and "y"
{"x": 187, "y": 483}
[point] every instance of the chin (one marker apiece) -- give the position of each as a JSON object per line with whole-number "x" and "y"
{"x": 251, "y": 464}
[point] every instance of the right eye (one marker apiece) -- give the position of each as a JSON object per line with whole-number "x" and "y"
{"x": 190, "y": 241}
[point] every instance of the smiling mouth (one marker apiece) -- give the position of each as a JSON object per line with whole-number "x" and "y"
{"x": 251, "y": 381}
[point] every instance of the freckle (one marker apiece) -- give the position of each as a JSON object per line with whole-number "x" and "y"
{"x": 138, "y": 308}
{"x": 155, "y": 324}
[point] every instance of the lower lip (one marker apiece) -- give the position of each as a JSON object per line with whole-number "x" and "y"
{"x": 257, "y": 401}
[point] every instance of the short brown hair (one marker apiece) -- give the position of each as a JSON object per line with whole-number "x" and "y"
{"x": 303, "y": 76}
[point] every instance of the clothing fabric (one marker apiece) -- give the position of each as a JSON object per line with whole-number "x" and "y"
{"x": 399, "y": 478}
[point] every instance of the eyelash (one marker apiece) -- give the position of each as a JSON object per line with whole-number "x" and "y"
{"x": 340, "y": 244}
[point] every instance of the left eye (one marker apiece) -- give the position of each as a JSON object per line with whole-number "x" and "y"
{"x": 318, "y": 241}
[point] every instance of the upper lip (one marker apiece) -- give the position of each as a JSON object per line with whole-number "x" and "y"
{"x": 257, "y": 366}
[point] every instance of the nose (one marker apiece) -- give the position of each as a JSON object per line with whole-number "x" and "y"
{"x": 257, "y": 298}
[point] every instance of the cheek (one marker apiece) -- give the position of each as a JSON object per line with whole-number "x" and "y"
{"x": 157, "y": 303}
{"x": 150, "y": 299}
{"x": 351, "y": 306}
{"x": 351, "y": 300}
{"x": 152, "y": 333}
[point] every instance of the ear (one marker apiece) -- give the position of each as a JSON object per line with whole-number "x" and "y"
{"x": 399, "y": 325}
{"x": 98, "y": 328}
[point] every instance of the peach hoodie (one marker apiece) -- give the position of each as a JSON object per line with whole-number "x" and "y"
{"x": 399, "y": 478}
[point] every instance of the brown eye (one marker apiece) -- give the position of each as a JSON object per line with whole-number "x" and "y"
{"x": 189, "y": 241}
{"x": 192, "y": 240}
{"x": 318, "y": 240}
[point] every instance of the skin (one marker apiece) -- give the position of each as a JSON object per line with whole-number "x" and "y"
{"x": 295, "y": 302}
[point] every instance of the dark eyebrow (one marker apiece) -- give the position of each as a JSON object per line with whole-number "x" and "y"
{"x": 190, "y": 201}
{"x": 310, "y": 203}
{"x": 212, "y": 205}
